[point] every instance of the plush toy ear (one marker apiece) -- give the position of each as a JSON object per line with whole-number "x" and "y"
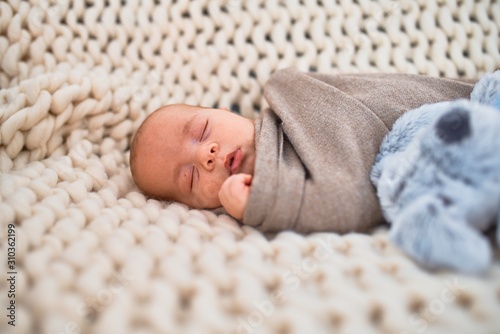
{"x": 487, "y": 90}
{"x": 426, "y": 232}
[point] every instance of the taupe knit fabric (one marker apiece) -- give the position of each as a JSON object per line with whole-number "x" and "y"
{"x": 317, "y": 142}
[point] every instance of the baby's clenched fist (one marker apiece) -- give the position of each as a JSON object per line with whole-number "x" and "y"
{"x": 234, "y": 194}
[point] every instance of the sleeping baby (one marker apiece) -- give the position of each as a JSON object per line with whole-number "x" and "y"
{"x": 304, "y": 165}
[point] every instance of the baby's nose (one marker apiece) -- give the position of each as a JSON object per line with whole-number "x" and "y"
{"x": 207, "y": 155}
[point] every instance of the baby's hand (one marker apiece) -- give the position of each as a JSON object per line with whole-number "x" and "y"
{"x": 234, "y": 194}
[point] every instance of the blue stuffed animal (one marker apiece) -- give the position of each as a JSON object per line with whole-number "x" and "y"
{"x": 438, "y": 179}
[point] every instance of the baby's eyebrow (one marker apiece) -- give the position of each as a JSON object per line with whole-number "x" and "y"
{"x": 179, "y": 181}
{"x": 187, "y": 125}
{"x": 178, "y": 177}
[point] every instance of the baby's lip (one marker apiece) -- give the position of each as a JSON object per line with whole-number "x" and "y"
{"x": 233, "y": 161}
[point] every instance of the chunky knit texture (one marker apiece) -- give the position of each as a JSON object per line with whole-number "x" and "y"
{"x": 93, "y": 255}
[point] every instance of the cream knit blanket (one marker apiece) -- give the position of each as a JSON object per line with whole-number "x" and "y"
{"x": 83, "y": 252}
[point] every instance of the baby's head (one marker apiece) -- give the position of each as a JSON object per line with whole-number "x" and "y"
{"x": 184, "y": 153}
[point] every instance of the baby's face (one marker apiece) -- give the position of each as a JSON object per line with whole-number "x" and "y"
{"x": 185, "y": 153}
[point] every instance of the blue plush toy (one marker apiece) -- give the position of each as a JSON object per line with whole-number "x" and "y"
{"x": 438, "y": 179}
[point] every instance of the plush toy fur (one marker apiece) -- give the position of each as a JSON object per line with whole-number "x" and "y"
{"x": 438, "y": 179}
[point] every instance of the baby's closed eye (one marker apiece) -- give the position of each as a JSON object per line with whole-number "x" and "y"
{"x": 204, "y": 133}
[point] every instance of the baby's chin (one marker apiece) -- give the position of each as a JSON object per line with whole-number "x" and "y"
{"x": 248, "y": 165}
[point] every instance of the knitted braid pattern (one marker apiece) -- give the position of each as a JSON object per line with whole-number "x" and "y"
{"x": 93, "y": 255}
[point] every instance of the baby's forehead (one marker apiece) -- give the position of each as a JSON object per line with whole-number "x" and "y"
{"x": 168, "y": 115}
{"x": 178, "y": 109}
{"x": 171, "y": 121}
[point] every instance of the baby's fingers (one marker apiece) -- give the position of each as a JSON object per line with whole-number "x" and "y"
{"x": 247, "y": 179}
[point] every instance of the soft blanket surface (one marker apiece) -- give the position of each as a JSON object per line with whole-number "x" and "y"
{"x": 93, "y": 255}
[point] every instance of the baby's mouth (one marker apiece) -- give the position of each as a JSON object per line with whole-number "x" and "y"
{"x": 233, "y": 161}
